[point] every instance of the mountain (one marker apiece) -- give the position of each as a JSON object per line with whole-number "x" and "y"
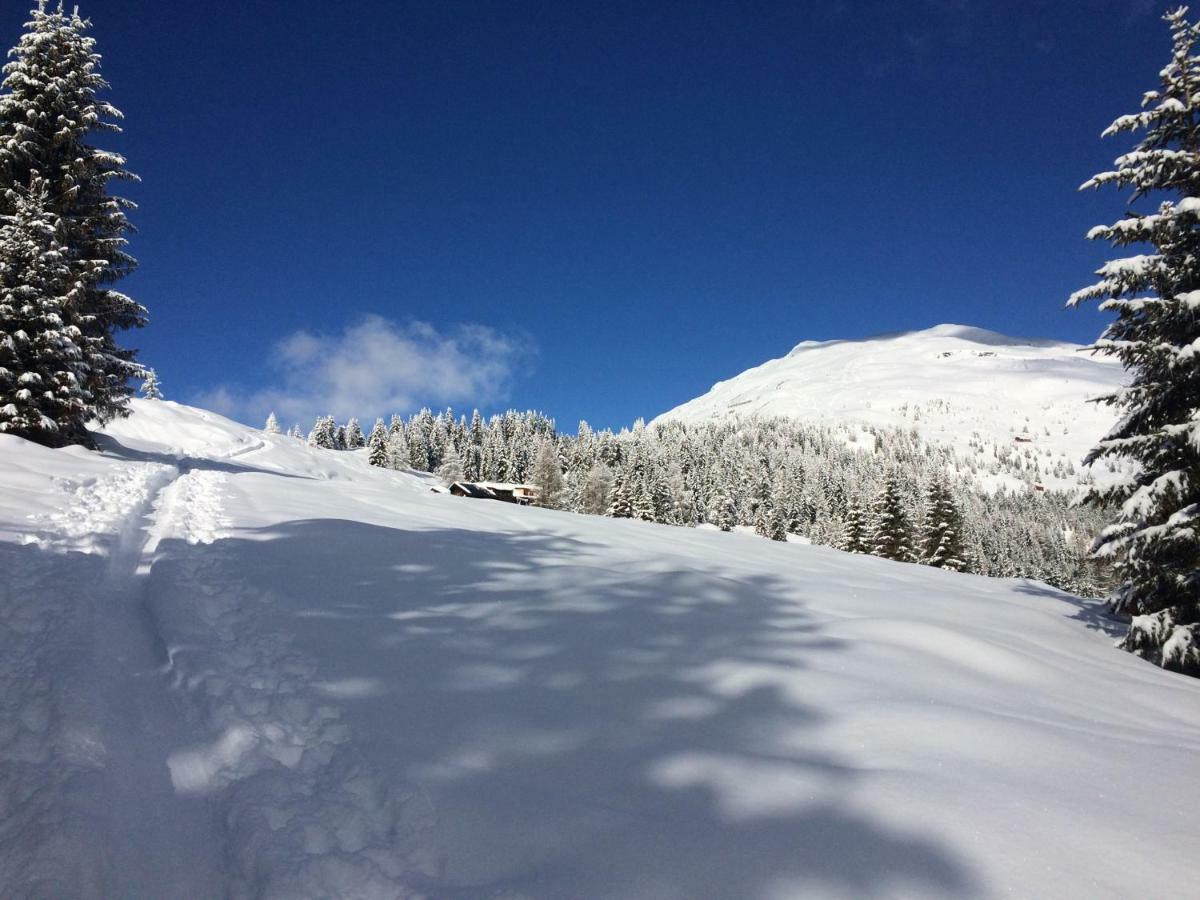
{"x": 980, "y": 392}
{"x": 234, "y": 665}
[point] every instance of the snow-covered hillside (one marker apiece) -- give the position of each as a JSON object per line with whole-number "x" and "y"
{"x": 978, "y": 391}
{"x": 231, "y": 665}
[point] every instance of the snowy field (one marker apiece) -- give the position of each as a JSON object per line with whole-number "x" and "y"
{"x": 231, "y": 665}
{"x": 977, "y": 391}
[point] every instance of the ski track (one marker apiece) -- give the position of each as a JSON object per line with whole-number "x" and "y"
{"x": 260, "y": 793}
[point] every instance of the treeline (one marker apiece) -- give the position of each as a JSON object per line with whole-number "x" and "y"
{"x": 884, "y": 492}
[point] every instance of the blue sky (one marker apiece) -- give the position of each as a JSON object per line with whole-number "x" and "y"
{"x": 598, "y": 210}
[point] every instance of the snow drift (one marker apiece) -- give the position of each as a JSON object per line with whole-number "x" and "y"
{"x": 235, "y": 666}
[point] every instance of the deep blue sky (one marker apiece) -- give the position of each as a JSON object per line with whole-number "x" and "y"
{"x": 654, "y": 195}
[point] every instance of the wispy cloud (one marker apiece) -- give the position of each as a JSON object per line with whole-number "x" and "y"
{"x": 376, "y": 367}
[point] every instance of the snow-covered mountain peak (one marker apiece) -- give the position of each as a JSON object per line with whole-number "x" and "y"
{"x": 936, "y": 335}
{"x": 982, "y": 392}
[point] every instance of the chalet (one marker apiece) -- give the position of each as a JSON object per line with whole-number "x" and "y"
{"x": 521, "y": 494}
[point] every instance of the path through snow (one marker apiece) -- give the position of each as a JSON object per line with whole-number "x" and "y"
{"x": 187, "y": 754}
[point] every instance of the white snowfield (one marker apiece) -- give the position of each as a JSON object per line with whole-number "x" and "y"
{"x": 974, "y": 390}
{"x": 231, "y": 665}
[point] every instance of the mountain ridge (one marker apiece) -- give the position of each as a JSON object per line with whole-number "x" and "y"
{"x": 979, "y": 391}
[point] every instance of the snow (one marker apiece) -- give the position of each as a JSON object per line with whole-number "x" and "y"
{"x": 968, "y": 388}
{"x": 234, "y": 665}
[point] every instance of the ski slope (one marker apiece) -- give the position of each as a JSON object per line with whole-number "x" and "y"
{"x": 977, "y": 391}
{"x": 232, "y": 665}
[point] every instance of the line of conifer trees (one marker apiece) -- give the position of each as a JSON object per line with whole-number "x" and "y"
{"x": 882, "y": 492}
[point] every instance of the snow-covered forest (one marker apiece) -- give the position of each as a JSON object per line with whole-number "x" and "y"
{"x": 859, "y": 488}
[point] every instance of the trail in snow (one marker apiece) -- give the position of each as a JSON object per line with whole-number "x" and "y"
{"x": 162, "y": 844}
{"x": 305, "y": 815}
{"x": 77, "y": 676}
{"x": 208, "y": 768}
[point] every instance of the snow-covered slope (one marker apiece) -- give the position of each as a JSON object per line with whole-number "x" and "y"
{"x": 974, "y": 390}
{"x": 231, "y": 665}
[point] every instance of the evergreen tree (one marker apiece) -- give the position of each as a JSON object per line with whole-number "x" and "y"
{"x": 43, "y": 374}
{"x": 761, "y": 526}
{"x": 48, "y": 111}
{"x": 398, "y": 457}
{"x": 762, "y": 500}
{"x": 473, "y": 464}
{"x": 324, "y": 434}
{"x": 547, "y": 474}
{"x": 418, "y": 449}
{"x": 1155, "y": 537}
{"x": 593, "y": 496}
{"x": 451, "y": 469}
{"x": 272, "y": 425}
{"x": 620, "y": 506}
{"x": 681, "y": 499}
{"x": 377, "y": 446}
{"x": 889, "y": 523}
{"x": 354, "y": 435}
{"x": 642, "y": 492}
{"x": 777, "y": 524}
{"x": 941, "y": 531}
{"x": 723, "y": 513}
{"x": 855, "y": 536}
{"x": 150, "y": 386}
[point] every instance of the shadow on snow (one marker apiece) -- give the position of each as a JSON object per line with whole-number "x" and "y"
{"x": 578, "y": 730}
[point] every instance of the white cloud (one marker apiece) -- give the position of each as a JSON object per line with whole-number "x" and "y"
{"x": 377, "y": 367}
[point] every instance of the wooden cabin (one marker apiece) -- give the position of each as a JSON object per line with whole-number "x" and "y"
{"x": 521, "y": 494}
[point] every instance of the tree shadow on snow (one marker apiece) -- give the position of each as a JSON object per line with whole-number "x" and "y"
{"x": 1092, "y": 612}
{"x": 581, "y": 729}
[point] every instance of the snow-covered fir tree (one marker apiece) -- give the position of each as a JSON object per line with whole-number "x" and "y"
{"x": 619, "y": 505}
{"x": 1154, "y": 539}
{"x": 547, "y": 474}
{"x": 890, "y": 535}
{"x": 777, "y": 524}
{"x": 941, "y": 529}
{"x": 397, "y": 449}
{"x": 151, "y": 388}
{"x": 43, "y": 375}
{"x": 762, "y": 506}
{"x": 855, "y": 536}
{"x": 354, "y": 436}
{"x": 272, "y": 424}
{"x": 723, "y": 512}
{"x": 594, "y": 492}
{"x": 49, "y": 110}
{"x": 450, "y": 469}
{"x": 324, "y": 434}
{"x": 377, "y": 446}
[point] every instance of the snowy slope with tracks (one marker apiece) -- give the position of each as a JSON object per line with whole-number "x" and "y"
{"x": 977, "y": 391}
{"x": 231, "y": 665}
